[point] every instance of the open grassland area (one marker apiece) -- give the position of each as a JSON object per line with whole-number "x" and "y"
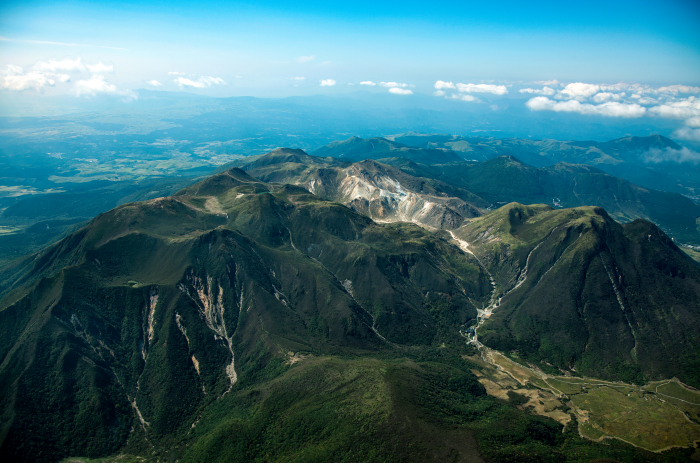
{"x": 635, "y": 417}
{"x": 656, "y": 417}
{"x": 693, "y": 252}
{"x": 674, "y": 389}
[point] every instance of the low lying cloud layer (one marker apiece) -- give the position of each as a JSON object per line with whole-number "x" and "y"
{"x": 76, "y": 76}
{"x": 16, "y": 79}
{"x": 463, "y": 92}
{"x": 199, "y": 82}
{"x": 613, "y": 109}
{"x": 620, "y": 100}
{"x": 680, "y": 102}
{"x": 396, "y": 88}
{"x": 549, "y": 91}
{"x": 94, "y": 85}
{"x": 655, "y": 156}
{"x": 400, "y": 91}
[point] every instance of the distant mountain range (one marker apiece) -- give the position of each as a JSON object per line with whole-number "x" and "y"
{"x": 431, "y": 188}
{"x": 652, "y": 162}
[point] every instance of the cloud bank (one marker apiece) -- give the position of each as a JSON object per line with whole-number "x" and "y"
{"x": 199, "y": 82}
{"x": 625, "y": 100}
{"x": 87, "y": 79}
{"x": 463, "y": 91}
{"x": 614, "y": 109}
{"x": 655, "y": 156}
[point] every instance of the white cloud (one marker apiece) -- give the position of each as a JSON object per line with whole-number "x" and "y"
{"x": 656, "y": 155}
{"x": 369, "y": 83}
{"x": 441, "y": 85}
{"x": 629, "y": 101}
{"x": 154, "y": 83}
{"x": 612, "y": 109}
{"x": 306, "y": 59}
{"x": 99, "y": 68}
{"x": 603, "y": 97}
{"x": 393, "y": 84}
{"x": 51, "y": 72}
{"x": 687, "y": 133}
{"x": 693, "y": 122}
{"x": 482, "y": 88}
{"x": 328, "y": 82}
{"x": 400, "y": 91}
{"x": 14, "y": 78}
{"x": 464, "y": 91}
{"x": 94, "y": 85}
{"x": 641, "y": 99}
{"x": 176, "y": 73}
{"x": 675, "y": 89}
{"x": 680, "y": 109}
{"x": 615, "y": 109}
{"x": 580, "y": 90}
{"x": 540, "y": 103}
{"x": 552, "y": 82}
{"x": 467, "y": 98}
{"x": 200, "y": 82}
{"x": 54, "y": 65}
{"x": 625, "y": 87}
{"x": 549, "y": 91}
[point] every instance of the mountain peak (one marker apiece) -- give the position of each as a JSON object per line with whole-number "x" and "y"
{"x": 643, "y": 143}
{"x": 508, "y": 159}
{"x": 283, "y": 155}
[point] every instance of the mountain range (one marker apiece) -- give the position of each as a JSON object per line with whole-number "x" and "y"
{"x": 654, "y": 161}
{"x": 55, "y": 185}
{"x": 480, "y": 185}
{"x": 306, "y": 308}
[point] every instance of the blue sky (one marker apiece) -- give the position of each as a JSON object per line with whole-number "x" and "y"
{"x": 639, "y": 58}
{"x": 254, "y": 46}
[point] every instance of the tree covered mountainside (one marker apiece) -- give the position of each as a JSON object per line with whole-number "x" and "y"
{"x": 315, "y": 309}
